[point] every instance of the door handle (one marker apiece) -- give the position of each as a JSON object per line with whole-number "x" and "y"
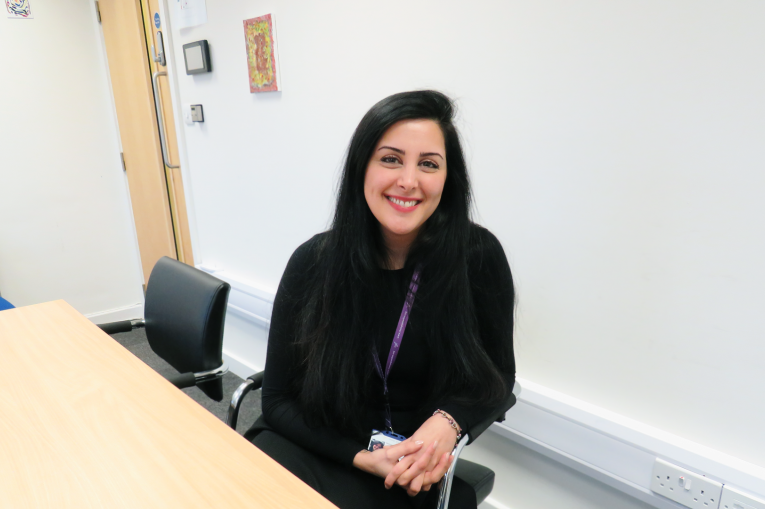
{"x": 159, "y": 55}
{"x": 161, "y": 119}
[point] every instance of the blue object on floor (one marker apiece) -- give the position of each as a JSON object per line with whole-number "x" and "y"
{"x": 4, "y": 304}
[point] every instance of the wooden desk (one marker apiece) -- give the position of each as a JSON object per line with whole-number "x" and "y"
{"x": 86, "y": 424}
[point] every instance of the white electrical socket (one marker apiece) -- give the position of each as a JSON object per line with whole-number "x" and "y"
{"x": 734, "y": 499}
{"x": 685, "y": 487}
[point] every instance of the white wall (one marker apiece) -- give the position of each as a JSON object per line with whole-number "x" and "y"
{"x": 66, "y": 231}
{"x": 616, "y": 149}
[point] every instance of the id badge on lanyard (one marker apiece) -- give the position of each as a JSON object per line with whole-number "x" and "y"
{"x": 386, "y": 436}
{"x": 380, "y": 439}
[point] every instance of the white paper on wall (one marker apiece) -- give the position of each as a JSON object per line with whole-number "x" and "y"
{"x": 189, "y": 13}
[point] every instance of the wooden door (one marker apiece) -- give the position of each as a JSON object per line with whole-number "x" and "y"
{"x": 173, "y": 176}
{"x": 153, "y": 187}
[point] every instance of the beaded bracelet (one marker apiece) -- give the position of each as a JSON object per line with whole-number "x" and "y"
{"x": 451, "y": 423}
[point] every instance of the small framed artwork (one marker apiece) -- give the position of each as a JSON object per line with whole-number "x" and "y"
{"x": 18, "y": 9}
{"x": 262, "y": 56}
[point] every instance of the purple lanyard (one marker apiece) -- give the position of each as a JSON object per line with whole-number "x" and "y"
{"x": 397, "y": 337}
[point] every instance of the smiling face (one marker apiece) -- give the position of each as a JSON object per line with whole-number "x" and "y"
{"x": 405, "y": 178}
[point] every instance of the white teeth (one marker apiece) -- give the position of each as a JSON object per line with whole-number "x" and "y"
{"x": 402, "y": 203}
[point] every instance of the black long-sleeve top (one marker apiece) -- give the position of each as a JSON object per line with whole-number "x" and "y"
{"x": 490, "y": 281}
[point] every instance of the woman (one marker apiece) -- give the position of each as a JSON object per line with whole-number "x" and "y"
{"x": 345, "y": 359}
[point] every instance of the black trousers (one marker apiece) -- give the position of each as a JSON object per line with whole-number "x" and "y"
{"x": 348, "y": 487}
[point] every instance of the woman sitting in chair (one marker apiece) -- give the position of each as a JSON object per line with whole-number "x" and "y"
{"x": 399, "y": 319}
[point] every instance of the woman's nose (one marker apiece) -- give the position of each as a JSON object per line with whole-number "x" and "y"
{"x": 407, "y": 179}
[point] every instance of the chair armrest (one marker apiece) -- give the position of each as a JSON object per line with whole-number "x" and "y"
{"x": 123, "y": 326}
{"x": 183, "y": 381}
{"x": 482, "y": 426}
{"x": 446, "y": 483}
{"x": 191, "y": 379}
{"x": 253, "y": 382}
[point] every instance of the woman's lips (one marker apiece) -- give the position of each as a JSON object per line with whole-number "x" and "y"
{"x": 402, "y": 204}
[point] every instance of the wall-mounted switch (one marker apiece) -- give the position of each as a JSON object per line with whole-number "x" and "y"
{"x": 196, "y": 113}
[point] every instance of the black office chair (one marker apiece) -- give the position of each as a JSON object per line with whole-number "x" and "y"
{"x": 479, "y": 477}
{"x": 184, "y": 314}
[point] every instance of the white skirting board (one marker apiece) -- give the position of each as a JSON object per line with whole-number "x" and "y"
{"x": 610, "y": 448}
{"x": 240, "y": 367}
{"x": 117, "y": 315}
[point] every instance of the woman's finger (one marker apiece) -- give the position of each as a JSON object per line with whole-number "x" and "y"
{"x": 437, "y": 473}
{"x": 404, "y": 448}
{"x": 415, "y": 485}
{"x": 399, "y": 468}
{"x": 418, "y": 467}
{"x": 433, "y": 462}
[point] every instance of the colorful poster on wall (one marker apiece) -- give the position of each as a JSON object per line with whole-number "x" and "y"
{"x": 18, "y": 9}
{"x": 260, "y": 38}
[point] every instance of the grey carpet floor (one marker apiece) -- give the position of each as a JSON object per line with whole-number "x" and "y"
{"x": 135, "y": 341}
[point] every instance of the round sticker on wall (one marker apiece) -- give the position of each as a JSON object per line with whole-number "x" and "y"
{"x": 156, "y": 19}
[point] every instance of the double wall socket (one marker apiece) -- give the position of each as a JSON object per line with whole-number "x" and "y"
{"x": 685, "y": 487}
{"x": 734, "y": 499}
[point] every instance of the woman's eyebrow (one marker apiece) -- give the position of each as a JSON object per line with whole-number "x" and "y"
{"x": 422, "y": 154}
{"x": 393, "y": 149}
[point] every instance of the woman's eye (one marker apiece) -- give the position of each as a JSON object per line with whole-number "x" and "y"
{"x": 430, "y": 164}
{"x": 390, "y": 159}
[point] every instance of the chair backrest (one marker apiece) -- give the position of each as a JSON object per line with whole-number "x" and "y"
{"x": 185, "y": 311}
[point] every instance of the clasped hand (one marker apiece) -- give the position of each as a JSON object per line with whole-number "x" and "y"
{"x": 424, "y": 458}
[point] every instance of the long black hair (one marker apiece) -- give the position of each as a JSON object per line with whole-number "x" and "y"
{"x": 340, "y": 306}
